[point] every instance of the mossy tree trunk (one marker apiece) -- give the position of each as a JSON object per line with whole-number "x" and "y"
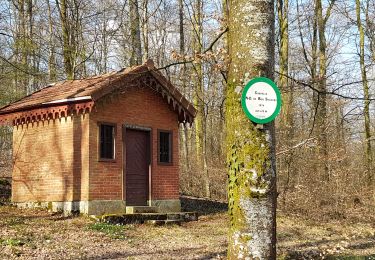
{"x": 321, "y": 115}
{"x": 68, "y": 38}
{"x": 286, "y": 121}
{"x": 135, "y": 34}
{"x": 370, "y": 30}
{"x": 200, "y": 119}
{"x": 198, "y": 92}
{"x": 287, "y": 115}
{"x": 145, "y": 30}
{"x": 250, "y": 149}
{"x": 74, "y": 47}
{"x": 23, "y": 44}
{"x": 366, "y": 110}
{"x": 52, "y": 74}
{"x": 32, "y": 63}
{"x": 185, "y": 130}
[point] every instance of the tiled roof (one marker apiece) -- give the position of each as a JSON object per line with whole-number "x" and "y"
{"x": 93, "y": 88}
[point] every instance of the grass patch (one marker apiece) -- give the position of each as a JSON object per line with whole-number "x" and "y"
{"x": 11, "y": 242}
{"x": 15, "y": 221}
{"x": 113, "y": 231}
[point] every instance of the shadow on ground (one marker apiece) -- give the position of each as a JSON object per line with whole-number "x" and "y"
{"x": 172, "y": 253}
{"x": 370, "y": 257}
{"x": 316, "y": 254}
{"x": 5, "y": 190}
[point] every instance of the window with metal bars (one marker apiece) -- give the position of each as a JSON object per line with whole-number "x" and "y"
{"x": 165, "y": 147}
{"x": 107, "y": 141}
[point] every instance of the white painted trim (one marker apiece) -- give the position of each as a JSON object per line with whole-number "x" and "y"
{"x": 150, "y": 178}
{"x": 67, "y": 100}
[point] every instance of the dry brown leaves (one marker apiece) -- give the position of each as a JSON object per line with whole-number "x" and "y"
{"x": 37, "y": 234}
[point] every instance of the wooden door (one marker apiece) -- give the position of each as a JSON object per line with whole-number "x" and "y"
{"x": 137, "y": 165}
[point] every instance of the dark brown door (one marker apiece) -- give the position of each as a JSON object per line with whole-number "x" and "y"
{"x": 137, "y": 162}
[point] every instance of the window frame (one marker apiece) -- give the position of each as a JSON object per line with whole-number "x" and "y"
{"x": 170, "y": 132}
{"x": 100, "y": 158}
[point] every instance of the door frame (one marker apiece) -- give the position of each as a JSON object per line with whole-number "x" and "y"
{"x": 126, "y": 126}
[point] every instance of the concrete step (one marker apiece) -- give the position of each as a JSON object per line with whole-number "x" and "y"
{"x": 174, "y": 216}
{"x": 188, "y": 216}
{"x": 163, "y": 222}
{"x": 141, "y": 209}
{"x": 168, "y": 218}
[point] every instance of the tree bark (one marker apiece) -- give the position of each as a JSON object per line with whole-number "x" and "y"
{"x": 68, "y": 39}
{"x": 184, "y": 89}
{"x": 321, "y": 115}
{"x": 200, "y": 119}
{"x": 366, "y": 110}
{"x": 145, "y": 30}
{"x": 250, "y": 149}
{"x": 51, "y": 57}
{"x": 22, "y": 46}
{"x": 198, "y": 93}
{"x": 287, "y": 115}
{"x": 135, "y": 34}
{"x": 286, "y": 122}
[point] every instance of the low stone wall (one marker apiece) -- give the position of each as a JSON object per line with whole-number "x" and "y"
{"x": 202, "y": 205}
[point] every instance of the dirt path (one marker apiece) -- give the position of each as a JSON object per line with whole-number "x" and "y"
{"x": 34, "y": 234}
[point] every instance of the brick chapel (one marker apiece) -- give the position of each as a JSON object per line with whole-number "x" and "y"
{"x": 99, "y": 144}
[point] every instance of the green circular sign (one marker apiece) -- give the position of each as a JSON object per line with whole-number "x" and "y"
{"x": 261, "y": 100}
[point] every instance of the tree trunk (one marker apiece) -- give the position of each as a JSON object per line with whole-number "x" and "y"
{"x": 51, "y": 57}
{"x": 135, "y": 34}
{"x": 67, "y": 37}
{"x": 184, "y": 89}
{"x": 198, "y": 93}
{"x": 286, "y": 121}
{"x": 250, "y": 149}
{"x": 321, "y": 115}
{"x": 287, "y": 115}
{"x": 200, "y": 119}
{"x": 145, "y": 30}
{"x": 370, "y": 30}
{"x": 366, "y": 110}
{"x": 22, "y": 45}
{"x": 32, "y": 84}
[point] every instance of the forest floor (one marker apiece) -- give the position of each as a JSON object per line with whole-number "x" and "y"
{"x": 38, "y": 234}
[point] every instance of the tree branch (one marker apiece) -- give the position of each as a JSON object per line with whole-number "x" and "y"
{"x": 296, "y": 146}
{"x": 326, "y": 92}
{"x": 20, "y": 69}
{"x": 209, "y": 48}
{"x": 329, "y": 9}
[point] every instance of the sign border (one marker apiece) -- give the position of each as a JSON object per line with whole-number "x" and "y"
{"x": 278, "y": 96}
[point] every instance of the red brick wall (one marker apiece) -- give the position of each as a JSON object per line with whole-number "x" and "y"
{"x": 50, "y": 160}
{"x": 57, "y": 160}
{"x": 140, "y": 107}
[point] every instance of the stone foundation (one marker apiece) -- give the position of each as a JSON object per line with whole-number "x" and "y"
{"x": 94, "y": 207}
{"x": 98, "y": 207}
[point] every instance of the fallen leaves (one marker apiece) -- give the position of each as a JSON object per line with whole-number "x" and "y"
{"x": 36, "y": 234}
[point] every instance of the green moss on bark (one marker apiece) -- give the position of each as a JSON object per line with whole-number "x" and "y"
{"x": 250, "y": 155}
